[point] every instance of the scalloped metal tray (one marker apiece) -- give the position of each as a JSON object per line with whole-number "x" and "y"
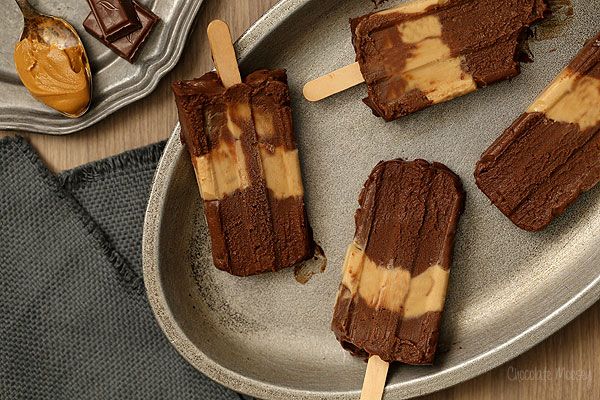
{"x": 269, "y": 336}
{"x": 116, "y": 82}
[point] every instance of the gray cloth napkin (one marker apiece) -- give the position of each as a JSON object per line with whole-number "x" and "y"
{"x": 75, "y": 323}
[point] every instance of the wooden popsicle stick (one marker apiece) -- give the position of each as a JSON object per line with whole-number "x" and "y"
{"x": 223, "y": 53}
{"x": 375, "y": 377}
{"x": 334, "y": 82}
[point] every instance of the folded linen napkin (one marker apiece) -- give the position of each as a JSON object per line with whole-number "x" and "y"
{"x": 75, "y": 323}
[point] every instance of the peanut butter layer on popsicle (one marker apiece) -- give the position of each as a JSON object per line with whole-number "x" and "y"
{"x": 429, "y": 51}
{"x": 551, "y": 153}
{"x": 246, "y": 162}
{"x": 396, "y": 270}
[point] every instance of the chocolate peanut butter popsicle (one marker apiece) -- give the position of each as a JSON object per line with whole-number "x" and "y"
{"x": 243, "y": 150}
{"x": 551, "y": 153}
{"x": 396, "y": 271}
{"x": 426, "y": 52}
{"x": 430, "y": 51}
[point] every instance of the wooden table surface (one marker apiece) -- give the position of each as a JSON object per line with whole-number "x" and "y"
{"x": 565, "y": 366}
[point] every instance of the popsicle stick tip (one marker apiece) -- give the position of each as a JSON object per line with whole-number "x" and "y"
{"x": 217, "y": 25}
{"x": 375, "y": 377}
{"x": 310, "y": 92}
{"x": 223, "y": 53}
{"x": 334, "y": 82}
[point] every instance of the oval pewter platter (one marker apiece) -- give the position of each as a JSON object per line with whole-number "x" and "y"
{"x": 268, "y": 336}
{"x": 117, "y": 83}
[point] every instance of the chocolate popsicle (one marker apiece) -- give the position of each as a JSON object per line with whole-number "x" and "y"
{"x": 116, "y": 18}
{"x": 551, "y": 153}
{"x": 429, "y": 51}
{"x": 396, "y": 271}
{"x": 244, "y": 154}
{"x": 126, "y": 47}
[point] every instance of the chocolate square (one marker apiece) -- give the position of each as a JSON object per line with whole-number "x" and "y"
{"x": 116, "y": 18}
{"x": 126, "y": 47}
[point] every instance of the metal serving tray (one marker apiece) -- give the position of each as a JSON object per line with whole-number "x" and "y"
{"x": 116, "y": 82}
{"x": 269, "y": 336}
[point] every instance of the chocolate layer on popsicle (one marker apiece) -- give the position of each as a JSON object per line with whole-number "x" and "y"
{"x": 244, "y": 153}
{"x": 396, "y": 271}
{"x": 116, "y": 18}
{"x": 126, "y": 47}
{"x": 429, "y": 51}
{"x": 551, "y": 153}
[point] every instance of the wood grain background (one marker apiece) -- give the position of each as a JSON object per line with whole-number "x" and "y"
{"x": 574, "y": 349}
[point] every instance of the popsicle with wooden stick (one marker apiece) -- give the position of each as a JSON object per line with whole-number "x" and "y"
{"x": 240, "y": 138}
{"x": 390, "y": 301}
{"x": 426, "y": 52}
{"x": 550, "y": 155}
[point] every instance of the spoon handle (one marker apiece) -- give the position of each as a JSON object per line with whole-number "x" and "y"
{"x": 26, "y": 8}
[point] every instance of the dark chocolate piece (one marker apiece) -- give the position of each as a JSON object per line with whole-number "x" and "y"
{"x": 396, "y": 271}
{"x": 551, "y": 153}
{"x": 116, "y": 18}
{"x": 127, "y": 47}
{"x": 256, "y": 214}
{"x": 427, "y": 52}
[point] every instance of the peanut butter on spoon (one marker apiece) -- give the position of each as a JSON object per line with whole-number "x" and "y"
{"x": 52, "y": 63}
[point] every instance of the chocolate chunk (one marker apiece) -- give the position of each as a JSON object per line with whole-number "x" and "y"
{"x": 116, "y": 18}
{"x": 127, "y": 47}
